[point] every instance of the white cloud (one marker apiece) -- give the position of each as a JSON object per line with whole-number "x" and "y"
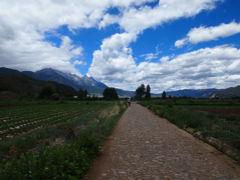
{"x": 151, "y": 56}
{"x": 23, "y": 24}
{"x": 108, "y": 19}
{"x": 164, "y": 59}
{"x": 138, "y": 19}
{"x": 114, "y": 62}
{"x": 203, "y": 34}
{"x": 216, "y": 67}
{"x": 181, "y": 42}
{"x": 79, "y": 62}
{"x": 27, "y": 51}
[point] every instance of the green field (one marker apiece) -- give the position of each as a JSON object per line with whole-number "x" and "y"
{"x": 55, "y": 140}
{"x": 216, "y": 122}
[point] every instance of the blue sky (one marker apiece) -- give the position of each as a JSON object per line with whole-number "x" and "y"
{"x": 169, "y": 44}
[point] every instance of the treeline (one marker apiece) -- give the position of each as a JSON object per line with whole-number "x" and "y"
{"x": 143, "y": 92}
{"x": 109, "y": 93}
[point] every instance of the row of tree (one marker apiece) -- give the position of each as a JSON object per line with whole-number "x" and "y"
{"x": 143, "y": 92}
{"x": 108, "y": 93}
{"x": 111, "y": 93}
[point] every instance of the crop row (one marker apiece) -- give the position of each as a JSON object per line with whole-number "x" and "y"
{"x": 17, "y": 126}
{"x": 14, "y": 121}
{"x": 6, "y": 115}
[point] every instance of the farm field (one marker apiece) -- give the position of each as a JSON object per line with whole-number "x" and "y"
{"x": 55, "y": 139}
{"x": 216, "y": 122}
{"x": 222, "y": 111}
{"x": 16, "y": 119}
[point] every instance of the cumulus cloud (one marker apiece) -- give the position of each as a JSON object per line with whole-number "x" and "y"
{"x": 203, "y": 34}
{"x": 107, "y": 20}
{"x": 151, "y": 56}
{"x": 79, "y": 62}
{"x": 181, "y": 42}
{"x": 27, "y": 51}
{"x": 216, "y": 67}
{"x": 23, "y": 24}
{"x": 138, "y": 19}
{"x": 114, "y": 62}
{"x": 164, "y": 58}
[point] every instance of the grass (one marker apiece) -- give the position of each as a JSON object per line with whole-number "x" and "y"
{"x": 70, "y": 160}
{"x": 205, "y": 125}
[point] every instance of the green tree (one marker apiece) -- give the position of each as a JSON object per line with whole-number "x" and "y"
{"x": 46, "y": 92}
{"x": 164, "y": 95}
{"x": 110, "y": 94}
{"x": 55, "y": 96}
{"x": 140, "y": 91}
{"x": 82, "y": 94}
{"x": 148, "y": 92}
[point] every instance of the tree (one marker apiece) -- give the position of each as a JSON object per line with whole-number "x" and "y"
{"x": 82, "y": 94}
{"x": 164, "y": 95}
{"x": 110, "y": 94}
{"x": 148, "y": 92}
{"x": 140, "y": 91}
{"x": 46, "y": 92}
{"x": 55, "y": 96}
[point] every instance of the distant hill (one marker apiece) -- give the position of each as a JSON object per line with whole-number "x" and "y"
{"x": 18, "y": 84}
{"x": 232, "y": 92}
{"x": 38, "y": 79}
{"x": 84, "y": 82}
{"x": 8, "y": 72}
{"x": 77, "y": 82}
{"x": 125, "y": 93}
{"x": 193, "y": 93}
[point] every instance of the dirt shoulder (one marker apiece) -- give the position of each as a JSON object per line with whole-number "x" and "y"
{"x": 144, "y": 146}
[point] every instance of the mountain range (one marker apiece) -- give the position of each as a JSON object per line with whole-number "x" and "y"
{"x": 14, "y": 84}
{"x": 233, "y": 92}
{"x": 75, "y": 83}
{"x": 193, "y": 93}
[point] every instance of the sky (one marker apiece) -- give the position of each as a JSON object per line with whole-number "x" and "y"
{"x": 168, "y": 44}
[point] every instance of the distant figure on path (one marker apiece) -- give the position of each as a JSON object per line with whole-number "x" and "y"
{"x": 129, "y": 102}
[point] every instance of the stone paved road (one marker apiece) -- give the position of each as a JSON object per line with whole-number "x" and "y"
{"x": 144, "y": 146}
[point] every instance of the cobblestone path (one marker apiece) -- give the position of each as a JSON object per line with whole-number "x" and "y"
{"x": 146, "y": 147}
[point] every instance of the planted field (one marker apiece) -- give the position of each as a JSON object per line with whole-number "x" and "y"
{"x": 54, "y": 140}
{"x": 222, "y": 107}
{"x": 15, "y": 120}
{"x": 223, "y": 111}
{"x": 214, "y": 121}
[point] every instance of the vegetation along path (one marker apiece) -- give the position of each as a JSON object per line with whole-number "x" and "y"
{"x": 144, "y": 146}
